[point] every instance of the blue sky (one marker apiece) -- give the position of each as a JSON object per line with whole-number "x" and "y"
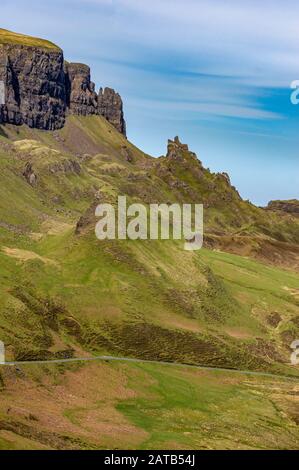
{"x": 215, "y": 72}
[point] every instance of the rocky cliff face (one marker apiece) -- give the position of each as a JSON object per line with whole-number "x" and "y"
{"x": 34, "y": 87}
{"x": 41, "y": 89}
{"x": 83, "y": 99}
{"x": 110, "y": 105}
{"x": 81, "y": 96}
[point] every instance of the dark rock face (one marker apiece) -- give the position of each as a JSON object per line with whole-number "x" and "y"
{"x": 81, "y": 96}
{"x": 34, "y": 87}
{"x": 110, "y": 106}
{"x": 83, "y": 100}
{"x": 179, "y": 152}
{"x": 40, "y": 89}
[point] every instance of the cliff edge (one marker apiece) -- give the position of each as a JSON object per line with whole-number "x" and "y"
{"x": 41, "y": 88}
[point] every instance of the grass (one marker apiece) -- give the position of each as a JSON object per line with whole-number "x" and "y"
{"x": 125, "y": 305}
{"x": 127, "y": 298}
{"x": 143, "y": 406}
{"x": 66, "y": 293}
{"x": 9, "y": 37}
{"x": 191, "y": 410}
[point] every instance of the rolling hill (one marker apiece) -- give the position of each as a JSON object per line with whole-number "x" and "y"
{"x": 65, "y": 294}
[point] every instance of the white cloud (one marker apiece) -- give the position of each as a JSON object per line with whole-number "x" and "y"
{"x": 204, "y": 109}
{"x": 248, "y": 38}
{"x": 255, "y": 43}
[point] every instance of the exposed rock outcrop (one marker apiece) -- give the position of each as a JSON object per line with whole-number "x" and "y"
{"x": 67, "y": 167}
{"x": 81, "y": 96}
{"x": 29, "y": 174}
{"x": 126, "y": 153}
{"x": 110, "y": 106}
{"x": 180, "y": 152}
{"x": 34, "y": 86}
{"x": 175, "y": 149}
{"x": 40, "y": 89}
{"x": 179, "y": 155}
{"x": 88, "y": 218}
{"x": 291, "y": 206}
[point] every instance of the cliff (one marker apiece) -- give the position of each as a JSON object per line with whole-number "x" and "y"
{"x": 110, "y": 105}
{"x": 41, "y": 88}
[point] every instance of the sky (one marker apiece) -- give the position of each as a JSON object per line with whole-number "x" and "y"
{"x": 215, "y": 72}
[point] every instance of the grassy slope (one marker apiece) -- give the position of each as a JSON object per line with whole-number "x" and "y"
{"x": 9, "y": 37}
{"x": 123, "y": 297}
{"x": 65, "y": 294}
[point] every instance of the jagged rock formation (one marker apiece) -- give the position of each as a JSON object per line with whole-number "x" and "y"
{"x": 179, "y": 154}
{"x": 67, "y": 167}
{"x": 41, "y": 89}
{"x": 177, "y": 150}
{"x": 110, "y": 105}
{"x": 34, "y": 86}
{"x": 185, "y": 173}
{"x": 81, "y": 96}
{"x": 291, "y": 206}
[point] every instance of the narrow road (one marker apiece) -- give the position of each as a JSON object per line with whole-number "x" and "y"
{"x": 145, "y": 361}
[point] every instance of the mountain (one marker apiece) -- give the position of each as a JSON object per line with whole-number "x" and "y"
{"x": 42, "y": 88}
{"x": 64, "y": 293}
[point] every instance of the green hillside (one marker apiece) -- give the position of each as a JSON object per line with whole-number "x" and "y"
{"x": 125, "y": 297}
{"x": 63, "y": 293}
{"x": 9, "y": 37}
{"x": 129, "y": 406}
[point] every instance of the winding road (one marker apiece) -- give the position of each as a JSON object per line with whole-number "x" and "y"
{"x": 145, "y": 361}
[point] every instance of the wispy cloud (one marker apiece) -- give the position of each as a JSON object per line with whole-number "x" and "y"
{"x": 258, "y": 39}
{"x": 205, "y": 109}
{"x": 216, "y": 71}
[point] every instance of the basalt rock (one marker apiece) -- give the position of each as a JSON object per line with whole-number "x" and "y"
{"x": 110, "y": 106}
{"x": 41, "y": 89}
{"x": 81, "y": 96}
{"x": 34, "y": 86}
